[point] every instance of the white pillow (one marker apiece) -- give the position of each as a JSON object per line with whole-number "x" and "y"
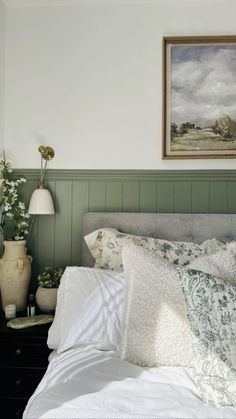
{"x": 90, "y": 305}
{"x": 106, "y": 245}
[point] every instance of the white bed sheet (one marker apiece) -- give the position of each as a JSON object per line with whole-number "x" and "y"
{"x": 87, "y": 383}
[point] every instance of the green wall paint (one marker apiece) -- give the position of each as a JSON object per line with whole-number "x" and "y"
{"x": 56, "y": 240}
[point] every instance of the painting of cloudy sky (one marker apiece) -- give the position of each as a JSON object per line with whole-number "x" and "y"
{"x": 203, "y": 83}
{"x": 203, "y": 96}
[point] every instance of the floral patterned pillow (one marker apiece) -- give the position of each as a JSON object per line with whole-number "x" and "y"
{"x": 106, "y": 245}
{"x": 211, "y": 310}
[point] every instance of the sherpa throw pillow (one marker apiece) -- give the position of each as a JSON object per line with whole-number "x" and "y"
{"x": 156, "y": 330}
{"x": 221, "y": 264}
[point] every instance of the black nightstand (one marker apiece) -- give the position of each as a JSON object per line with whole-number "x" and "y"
{"x": 23, "y": 361}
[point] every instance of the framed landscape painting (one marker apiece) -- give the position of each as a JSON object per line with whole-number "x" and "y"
{"x": 199, "y": 97}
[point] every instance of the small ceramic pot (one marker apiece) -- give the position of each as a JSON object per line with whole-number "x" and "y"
{"x": 46, "y": 299}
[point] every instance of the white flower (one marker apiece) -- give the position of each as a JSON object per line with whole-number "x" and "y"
{"x": 9, "y": 215}
{"x": 19, "y": 237}
{"x": 11, "y": 207}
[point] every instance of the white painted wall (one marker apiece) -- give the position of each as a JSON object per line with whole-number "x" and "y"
{"x": 87, "y": 80}
{"x": 2, "y": 72}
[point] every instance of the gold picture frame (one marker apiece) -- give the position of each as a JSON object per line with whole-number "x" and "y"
{"x": 199, "y": 97}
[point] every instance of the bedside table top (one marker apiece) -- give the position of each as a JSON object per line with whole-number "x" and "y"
{"x": 39, "y": 330}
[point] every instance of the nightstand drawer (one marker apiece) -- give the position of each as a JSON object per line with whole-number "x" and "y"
{"x": 20, "y": 382}
{"x": 23, "y": 362}
{"x": 22, "y": 354}
{"x": 12, "y": 408}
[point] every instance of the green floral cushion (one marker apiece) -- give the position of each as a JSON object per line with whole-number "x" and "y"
{"x": 106, "y": 246}
{"x": 211, "y": 310}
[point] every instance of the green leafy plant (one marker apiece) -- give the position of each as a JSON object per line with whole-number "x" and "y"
{"x": 51, "y": 277}
{"x": 13, "y": 215}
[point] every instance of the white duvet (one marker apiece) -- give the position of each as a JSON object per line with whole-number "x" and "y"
{"x": 87, "y": 383}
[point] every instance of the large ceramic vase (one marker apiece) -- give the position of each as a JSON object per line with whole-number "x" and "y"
{"x": 15, "y": 272}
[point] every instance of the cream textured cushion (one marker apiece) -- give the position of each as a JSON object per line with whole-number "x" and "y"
{"x": 156, "y": 330}
{"x": 106, "y": 246}
{"x": 221, "y": 264}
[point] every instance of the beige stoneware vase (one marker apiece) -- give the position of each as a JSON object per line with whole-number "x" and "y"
{"x": 15, "y": 272}
{"x": 46, "y": 299}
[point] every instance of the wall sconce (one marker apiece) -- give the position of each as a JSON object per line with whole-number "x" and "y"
{"x": 41, "y": 201}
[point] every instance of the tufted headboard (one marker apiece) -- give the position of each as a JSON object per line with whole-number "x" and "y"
{"x": 184, "y": 227}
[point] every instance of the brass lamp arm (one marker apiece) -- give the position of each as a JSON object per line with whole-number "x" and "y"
{"x": 47, "y": 153}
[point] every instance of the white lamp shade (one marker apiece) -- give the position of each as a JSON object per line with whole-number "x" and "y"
{"x": 41, "y": 202}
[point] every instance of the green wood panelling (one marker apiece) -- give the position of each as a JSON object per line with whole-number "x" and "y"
{"x": 131, "y": 175}
{"x": 63, "y": 223}
{"x": 148, "y": 197}
{"x": 165, "y": 196}
{"x": 57, "y": 239}
{"x": 231, "y": 197}
{"x": 131, "y": 196}
{"x": 182, "y": 197}
{"x": 97, "y": 196}
{"x": 200, "y": 197}
{"x": 218, "y": 197}
{"x": 114, "y": 196}
{"x": 80, "y": 198}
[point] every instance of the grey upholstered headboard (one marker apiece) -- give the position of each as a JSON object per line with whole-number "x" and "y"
{"x": 185, "y": 227}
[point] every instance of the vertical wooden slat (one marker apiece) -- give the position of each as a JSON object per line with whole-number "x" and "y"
{"x": 182, "y": 197}
{"x": 148, "y": 197}
{"x": 218, "y": 197}
{"x": 97, "y": 196}
{"x": 232, "y": 197}
{"x": 80, "y": 191}
{"x": 131, "y": 196}
{"x": 63, "y": 223}
{"x": 200, "y": 197}
{"x": 46, "y": 225}
{"x": 113, "y": 196}
{"x": 165, "y": 196}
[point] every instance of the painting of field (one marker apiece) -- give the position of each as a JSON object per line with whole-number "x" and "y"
{"x": 201, "y": 89}
{"x": 205, "y": 141}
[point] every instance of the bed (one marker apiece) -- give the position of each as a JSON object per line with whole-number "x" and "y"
{"x": 85, "y": 380}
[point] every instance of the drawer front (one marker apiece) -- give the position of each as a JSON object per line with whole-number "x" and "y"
{"x": 12, "y": 408}
{"x": 24, "y": 354}
{"x": 20, "y": 382}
